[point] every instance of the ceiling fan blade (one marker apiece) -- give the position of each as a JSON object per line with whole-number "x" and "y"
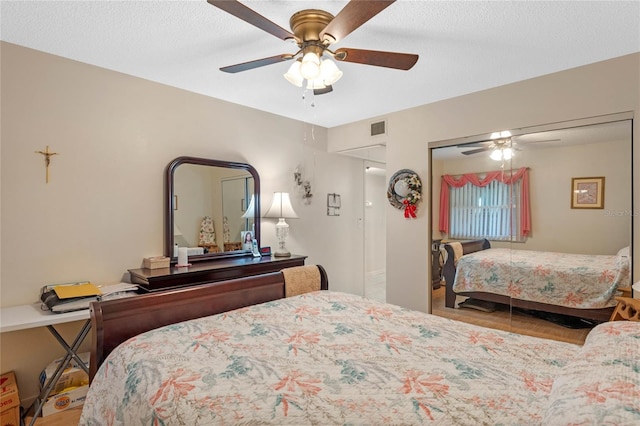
{"x": 401, "y": 61}
{"x": 351, "y": 17}
{"x": 257, "y": 63}
{"x": 472, "y": 145}
{"x": 540, "y": 141}
{"x": 241, "y": 11}
{"x": 327, "y": 89}
{"x": 476, "y": 151}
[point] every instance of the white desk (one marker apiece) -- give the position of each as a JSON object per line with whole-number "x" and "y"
{"x": 31, "y": 316}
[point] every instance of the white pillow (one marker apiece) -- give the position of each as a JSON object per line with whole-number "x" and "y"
{"x": 623, "y": 252}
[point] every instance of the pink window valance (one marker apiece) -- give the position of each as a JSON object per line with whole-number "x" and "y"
{"x": 521, "y": 175}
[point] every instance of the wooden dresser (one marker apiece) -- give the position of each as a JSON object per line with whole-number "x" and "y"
{"x": 211, "y": 271}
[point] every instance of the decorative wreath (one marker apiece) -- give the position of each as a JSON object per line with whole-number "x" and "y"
{"x": 405, "y": 191}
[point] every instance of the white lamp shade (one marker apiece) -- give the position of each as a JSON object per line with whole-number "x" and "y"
{"x": 310, "y": 66}
{"x": 499, "y": 154}
{"x": 318, "y": 72}
{"x": 251, "y": 210}
{"x": 281, "y": 207}
{"x": 315, "y": 84}
{"x": 293, "y": 76}
{"x": 329, "y": 72}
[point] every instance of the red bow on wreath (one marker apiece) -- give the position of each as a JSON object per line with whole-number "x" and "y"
{"x": 409, "y": 209}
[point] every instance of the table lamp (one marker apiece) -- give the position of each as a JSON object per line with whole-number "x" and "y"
{"x": 281, "y": 208}
{"x": 250, "y": 212}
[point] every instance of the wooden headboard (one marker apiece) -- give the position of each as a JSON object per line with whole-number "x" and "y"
{"x": 449, "y": 268}
{"x": 115, "y": 321}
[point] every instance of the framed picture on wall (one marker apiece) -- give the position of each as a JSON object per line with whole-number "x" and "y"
{"x": 333, "y": 204}
{"x": 587, "y": 193}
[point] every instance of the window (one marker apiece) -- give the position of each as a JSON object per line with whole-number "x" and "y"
{"x": 490, "y": 212}
{"x": 494, "y": 206}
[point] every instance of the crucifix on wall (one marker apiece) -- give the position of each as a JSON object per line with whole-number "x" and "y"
{"x": 47, "y": 161}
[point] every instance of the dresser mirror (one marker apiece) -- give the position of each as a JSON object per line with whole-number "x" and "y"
{"x": 210, "y": 207}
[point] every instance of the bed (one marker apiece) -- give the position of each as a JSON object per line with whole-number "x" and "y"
{"x": 326, "y": 357}
{"x": 578, "y": 285}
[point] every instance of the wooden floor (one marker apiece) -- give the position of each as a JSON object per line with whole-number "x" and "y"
{"x": 505, "y": 319}
{"x": 70, "y": 417}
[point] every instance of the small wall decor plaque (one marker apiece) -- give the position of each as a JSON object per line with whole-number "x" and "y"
{"x": 333, "y": 204}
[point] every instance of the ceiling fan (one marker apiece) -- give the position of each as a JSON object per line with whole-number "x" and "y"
{"x": 314, "y": 31}
{"x": 502, "y": 148}
{"x": 487, "y": 146}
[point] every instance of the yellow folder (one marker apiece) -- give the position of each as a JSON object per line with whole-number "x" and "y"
{"x": 67, "y": 291}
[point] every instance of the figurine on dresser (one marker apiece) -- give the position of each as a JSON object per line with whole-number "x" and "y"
{"x": 207, "y": 237}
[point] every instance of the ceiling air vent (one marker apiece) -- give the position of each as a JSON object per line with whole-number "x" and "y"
{"x": 379, "y": 128}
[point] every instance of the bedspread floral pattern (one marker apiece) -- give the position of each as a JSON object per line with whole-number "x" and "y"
{"x": 571, "y": 280}
{"x": 601, "y": 385}
{"x": 325, "y": 358}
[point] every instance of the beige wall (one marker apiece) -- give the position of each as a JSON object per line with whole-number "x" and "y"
{"x": 101, "y": 213}
{"x": 598, "y": 89}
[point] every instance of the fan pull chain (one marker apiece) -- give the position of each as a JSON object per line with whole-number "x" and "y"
{"x": 304, "y": 98}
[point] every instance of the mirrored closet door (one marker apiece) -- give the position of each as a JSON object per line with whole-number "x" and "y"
{"x": 554, "y": 204}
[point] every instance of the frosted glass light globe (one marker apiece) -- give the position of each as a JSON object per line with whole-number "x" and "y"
{"x": 401, "y": 188}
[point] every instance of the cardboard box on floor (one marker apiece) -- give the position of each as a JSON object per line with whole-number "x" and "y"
{"x": 65, "y": 400}
{"x": 9, "y": 400}
{"x": 72, "y": 377}
{"x": 70, "y": 390}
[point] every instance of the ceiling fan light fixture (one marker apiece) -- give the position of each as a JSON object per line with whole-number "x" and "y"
{"x": 500, "y": 154}
{"x": 496, "y": 155}
{"x": 500, "y": 135}
{"x": 329, "y": 72}
{"x": 507, "y": 153}
{"x": 310, "y": 66}
{"x": 316, "y": 84}
{"x": 294, "y": 76}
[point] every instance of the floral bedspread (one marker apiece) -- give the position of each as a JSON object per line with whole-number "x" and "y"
{"x": 571, "y": 280}
{"x": 326, "y": 358}
{"x": 601, "y": 385}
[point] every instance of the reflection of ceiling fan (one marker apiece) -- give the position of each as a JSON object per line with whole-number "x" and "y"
{"x": 314, "y": 31}
{"x": 502, "y": 148}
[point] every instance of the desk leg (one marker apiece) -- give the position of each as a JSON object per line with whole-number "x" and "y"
{"x": 71, "y": 354}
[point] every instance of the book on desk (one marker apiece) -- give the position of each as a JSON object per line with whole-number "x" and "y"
{"x": 60, "y": 298}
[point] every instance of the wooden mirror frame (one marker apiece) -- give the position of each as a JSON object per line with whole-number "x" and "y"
{"x": 168, "y": 208}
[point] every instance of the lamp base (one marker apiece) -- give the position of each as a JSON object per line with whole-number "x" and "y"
{"x": 279, "y": 253}
{"x": 282, "y": 231}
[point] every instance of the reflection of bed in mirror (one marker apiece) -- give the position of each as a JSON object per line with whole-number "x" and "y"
{"x": 579, "y": 285}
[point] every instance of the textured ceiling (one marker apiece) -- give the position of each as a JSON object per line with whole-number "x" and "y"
{"x": 464, "y": 46}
